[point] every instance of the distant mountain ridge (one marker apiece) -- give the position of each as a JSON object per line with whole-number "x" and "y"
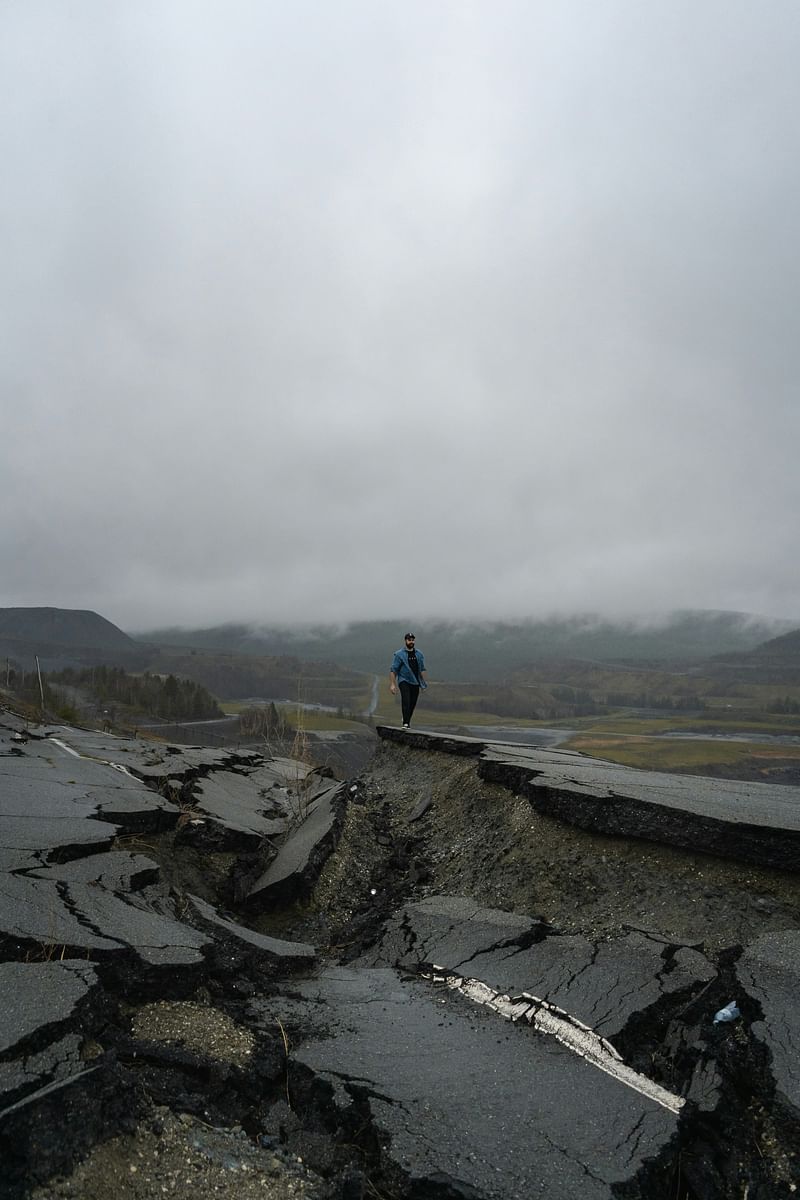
{"x": 491, "y": 650}
{"x": 776, "y": 661}
{"x": 455, "y": 651}
{"x": 62, "y": 637}
{"x": 62, "y": 627}
{"x": 785, "y": 647}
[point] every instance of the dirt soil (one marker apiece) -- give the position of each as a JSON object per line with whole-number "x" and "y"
{"x": 479, "y": 840}
{"x": 180, "y": 1156}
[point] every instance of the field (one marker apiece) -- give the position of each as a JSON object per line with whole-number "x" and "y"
{"x": 704, "y": 757}
{"x": 694, "y": 743}
{"x": 645, "y": 715}
{"x": 310, "y": 719}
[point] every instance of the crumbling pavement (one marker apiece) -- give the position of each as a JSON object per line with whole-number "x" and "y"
{"x": 157, "y": 909}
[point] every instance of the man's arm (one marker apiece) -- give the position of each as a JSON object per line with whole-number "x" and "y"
{"x": 394, "y": 671}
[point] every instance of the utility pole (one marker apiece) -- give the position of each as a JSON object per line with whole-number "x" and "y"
{"x": 39, "y": 673}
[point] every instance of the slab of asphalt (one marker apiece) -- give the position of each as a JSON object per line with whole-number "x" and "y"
{"x": 309, "y": 843}
{"x": 466, "y": 1101}
{"x": 768, "y": 973}
{"x": 153, "y": 761}
{"x": 754, "y": 822}
{"x": 601, "y": 984}
{"x": 239, "y": 804}
{"x": 407, "y": 1051}
{"x": 70, "y": 892}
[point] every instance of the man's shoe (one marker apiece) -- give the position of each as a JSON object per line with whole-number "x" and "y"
{"x": 405, "y": 724}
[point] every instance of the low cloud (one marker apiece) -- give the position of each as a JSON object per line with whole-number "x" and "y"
{"x": 315, "y": 316}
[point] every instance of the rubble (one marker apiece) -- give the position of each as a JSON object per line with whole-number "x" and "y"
{"x": 478, "y": 970}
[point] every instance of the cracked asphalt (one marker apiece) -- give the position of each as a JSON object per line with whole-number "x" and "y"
{"x": 636, "y": 939}
{"x": 450, "y": 994}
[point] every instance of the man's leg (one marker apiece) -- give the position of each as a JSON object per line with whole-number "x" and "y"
{"x": 409, "y": 694}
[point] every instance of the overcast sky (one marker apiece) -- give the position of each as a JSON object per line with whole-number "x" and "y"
{"x": 348, "y": 309}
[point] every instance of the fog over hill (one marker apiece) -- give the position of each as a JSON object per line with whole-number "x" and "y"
{"x": 454, "y": 650}
{"x": 775, "y": 661}
{"x": 468, "y": 650}
{"x": 786, "y": 647}
{"x": 324, "y": 312}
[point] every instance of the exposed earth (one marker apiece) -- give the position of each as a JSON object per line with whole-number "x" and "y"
{"x": 478, "y": 841}
{"x": 422, "y": 825}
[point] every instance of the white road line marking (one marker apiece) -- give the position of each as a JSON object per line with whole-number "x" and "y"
{"x": 64, "y": 746}
{"x": 91, "y": 758}
{"x": 568, "y": 1030}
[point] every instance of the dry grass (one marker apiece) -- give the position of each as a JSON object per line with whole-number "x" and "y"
{"x": 676, "y": 754}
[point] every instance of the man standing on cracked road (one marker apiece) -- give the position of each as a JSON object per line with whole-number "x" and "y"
{"x": 408, "y": 670}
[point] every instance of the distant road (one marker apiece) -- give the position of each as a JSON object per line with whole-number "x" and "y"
{"x": 520, "y": 735}
{"x": 187, "y": 724}
{"x": 557, "y": 737}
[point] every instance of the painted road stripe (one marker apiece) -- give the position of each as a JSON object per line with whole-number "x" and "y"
{"x": 572, "y": 1033}
{"x": 105, "y": 762}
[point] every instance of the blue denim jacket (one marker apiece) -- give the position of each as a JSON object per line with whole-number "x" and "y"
{"x": 403, "y": 671}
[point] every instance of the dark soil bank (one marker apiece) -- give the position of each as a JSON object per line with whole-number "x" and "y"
{"x": 481, "y": 841}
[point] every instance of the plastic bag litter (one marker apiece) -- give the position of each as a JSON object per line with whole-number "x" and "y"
{"x": 729, "y": 1013}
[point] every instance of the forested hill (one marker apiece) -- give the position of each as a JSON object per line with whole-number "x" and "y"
{"x": 785, "y": 648}
{"x": 490, "y": 651}
{"x": 62, "y": 637}
{"x": 454, "y": 651}
{"x": 776, "y": 660}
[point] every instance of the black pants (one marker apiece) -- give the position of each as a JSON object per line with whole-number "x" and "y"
{"x": 409, "y": 694}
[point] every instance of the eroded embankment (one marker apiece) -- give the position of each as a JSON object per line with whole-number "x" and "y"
{"x": 480, "y": 840}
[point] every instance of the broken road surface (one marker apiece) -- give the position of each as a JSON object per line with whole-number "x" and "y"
{"x": 318, "y": 981}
